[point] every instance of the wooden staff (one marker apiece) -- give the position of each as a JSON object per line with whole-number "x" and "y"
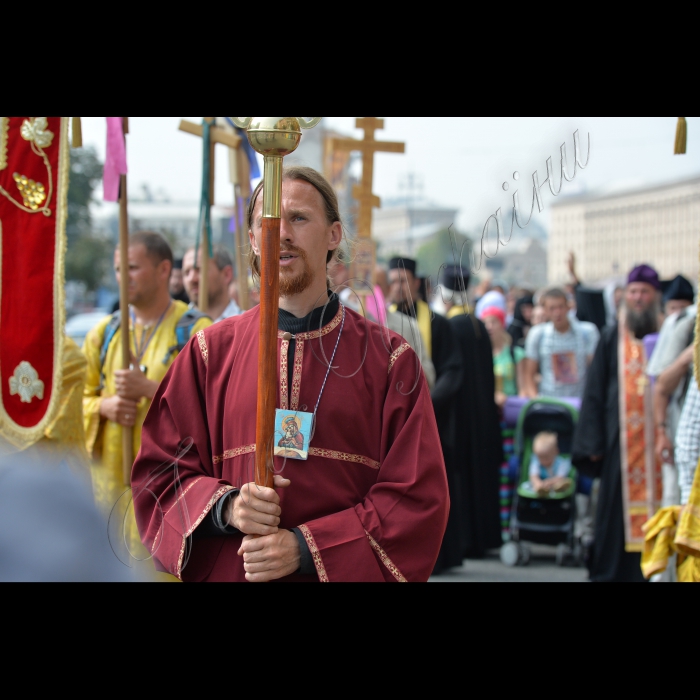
{"x": 274, "y": 138}
{"x": 127, "y": 433}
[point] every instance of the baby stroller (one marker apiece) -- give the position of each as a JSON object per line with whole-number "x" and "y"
{"x": 552, "y": 520}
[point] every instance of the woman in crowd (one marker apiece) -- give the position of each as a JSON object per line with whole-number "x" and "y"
{"x": 522, "y": 320}
{"x": 506, "y": 362}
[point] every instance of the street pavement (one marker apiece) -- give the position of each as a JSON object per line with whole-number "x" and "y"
{"x": 542, "y": 569}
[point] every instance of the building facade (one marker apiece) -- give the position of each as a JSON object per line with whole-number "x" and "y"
{"x": 611, "y": 234}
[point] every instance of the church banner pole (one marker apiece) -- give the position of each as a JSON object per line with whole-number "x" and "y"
{"x": 127, "y": 433}
{"x": 274, "y": 138}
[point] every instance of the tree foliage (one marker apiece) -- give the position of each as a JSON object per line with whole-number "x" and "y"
{"x": 87, "y": 257}
{"x": 444, "y": 248}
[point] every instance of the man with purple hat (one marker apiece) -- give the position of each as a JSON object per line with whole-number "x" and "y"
{"x": 614, "y": 438}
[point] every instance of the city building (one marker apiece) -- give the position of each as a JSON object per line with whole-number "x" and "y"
{"x": 612, "y": 233}
{"x": 177, "y": 221}
{"x": 401, "y": 226}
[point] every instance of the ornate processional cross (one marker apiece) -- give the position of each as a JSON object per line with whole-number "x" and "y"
{"x": 366, "y": 199}
{"x": 365, "y": 254}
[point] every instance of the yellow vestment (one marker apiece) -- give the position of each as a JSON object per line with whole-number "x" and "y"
{"x": 675, "y": 531}
{"x": 104, "y": 438}
{"x": 424, "y": 318}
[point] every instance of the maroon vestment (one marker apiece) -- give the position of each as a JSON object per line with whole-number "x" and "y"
{"x": 372, "y": 500}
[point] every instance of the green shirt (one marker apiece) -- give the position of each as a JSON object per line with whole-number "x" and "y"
{"x": 505, "y": 370}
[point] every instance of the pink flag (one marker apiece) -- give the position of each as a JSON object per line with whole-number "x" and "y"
{"x": 115, "y": 162}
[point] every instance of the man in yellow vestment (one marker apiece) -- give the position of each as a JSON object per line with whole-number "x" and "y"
{"x": 114, "y": 398}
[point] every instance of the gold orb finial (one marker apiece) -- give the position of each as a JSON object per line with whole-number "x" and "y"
{"x": 275, "y": 136}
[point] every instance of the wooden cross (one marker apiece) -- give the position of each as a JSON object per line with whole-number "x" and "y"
{"x": 225, "y": 137}
{"x": 366, "y": 199}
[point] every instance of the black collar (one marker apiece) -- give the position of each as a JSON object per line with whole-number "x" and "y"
{"x": 318, "y": 318}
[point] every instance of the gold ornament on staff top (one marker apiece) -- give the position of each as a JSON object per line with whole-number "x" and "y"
{"x": 274, "y": 138}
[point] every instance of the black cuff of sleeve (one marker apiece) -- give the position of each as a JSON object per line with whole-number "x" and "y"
{"x": 213, "y": 525}
{"x": 307, "y": 568}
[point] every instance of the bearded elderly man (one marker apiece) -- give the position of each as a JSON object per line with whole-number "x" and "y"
{"x": 615, "y": 435}
{"x": 369, "y": 504}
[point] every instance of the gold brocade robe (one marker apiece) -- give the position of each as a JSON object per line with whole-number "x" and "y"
{"x": 675, "y": 531}
{"x": 104, "y": 438}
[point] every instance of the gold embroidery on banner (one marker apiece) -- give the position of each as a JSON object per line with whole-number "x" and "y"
{"x": 16, "y": 435}
{"x": 203, "y": 347}
{"x": 296, "y": 379}
{"x": 26, "y": 383}
{"x": 33, "y": 193}
{"x": 232, "y": 454}
{"x": 4, "y": 128}
{"x": 315, "y": 335}
{"x": 395, "y": 356}
{"x": 385, "y": 560}
{"x": 318, "y": 560}
{"x": 344, "y": 457}
{"x": 284, "y": 375}
{"x": 37, "y": 131}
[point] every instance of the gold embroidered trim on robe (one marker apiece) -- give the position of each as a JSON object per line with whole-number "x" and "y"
{"x": 203, "y": 347}
{"x": 315, "y": 335}
{"x": 642, "y": 485}
{"x": 232, "y": 454}
{"x": 296, "y": 378}
{"x": 318, "y": 560}
{"x": 214, "y": 500}
{"x": 396, "y": 354}
{"x": 393, "y": 569}
{"x": 344, "y": 457}
{"x": 313, "y": 452}
{"x": 284, "y": 375}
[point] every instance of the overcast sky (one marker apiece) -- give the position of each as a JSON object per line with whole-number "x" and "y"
{"x": 462, "y": 161}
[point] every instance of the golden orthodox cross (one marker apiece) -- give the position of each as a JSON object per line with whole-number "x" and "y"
{"x": 363, "y": 193}
{"x": 219, "y": 135}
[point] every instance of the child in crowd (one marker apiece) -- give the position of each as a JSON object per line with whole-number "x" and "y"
{"x": 549, "y": 471}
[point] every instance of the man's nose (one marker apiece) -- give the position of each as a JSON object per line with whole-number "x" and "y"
{"x": 286, "y": 232}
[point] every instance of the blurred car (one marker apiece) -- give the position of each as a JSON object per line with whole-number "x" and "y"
{"x": 79, "y": 326}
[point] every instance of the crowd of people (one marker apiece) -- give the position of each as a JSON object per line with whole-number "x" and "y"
{"x": 571, "y": 344}
{"x": 434, "y": 445}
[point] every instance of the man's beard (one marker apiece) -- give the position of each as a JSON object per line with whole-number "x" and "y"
{"x": 644, "y": 323}
{"x": 293, "y": 286}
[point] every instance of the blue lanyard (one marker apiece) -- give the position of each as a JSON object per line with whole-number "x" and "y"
{"x": 140, "y": 351}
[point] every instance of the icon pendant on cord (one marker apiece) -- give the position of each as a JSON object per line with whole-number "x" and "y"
{"x": 293, "y": 434}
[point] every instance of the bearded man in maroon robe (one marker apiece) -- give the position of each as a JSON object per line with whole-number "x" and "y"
{"x": 371, "y": 502}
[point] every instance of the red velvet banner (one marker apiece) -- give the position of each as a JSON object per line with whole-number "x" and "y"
{"x": 34, "y": 166}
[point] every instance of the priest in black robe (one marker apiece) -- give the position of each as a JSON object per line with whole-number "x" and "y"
{"x": 597, "y": 450}
{"x": 475, "y": 424}
{"x": 439, "y": 342}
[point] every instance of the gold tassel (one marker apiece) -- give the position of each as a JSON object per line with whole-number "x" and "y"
{"x": 681, "y": 136}
{"x": 77, "y": 133}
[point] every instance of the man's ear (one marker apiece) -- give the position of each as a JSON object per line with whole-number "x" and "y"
{"x": 336, "y": 237}
{"x": 166, "y": 268}
{"x": 253, "y": 243}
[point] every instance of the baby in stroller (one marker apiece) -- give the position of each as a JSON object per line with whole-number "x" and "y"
{"x": 549, "y": 472}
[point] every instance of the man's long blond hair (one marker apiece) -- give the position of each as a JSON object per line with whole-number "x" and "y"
{"x": 326, "y": 191}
